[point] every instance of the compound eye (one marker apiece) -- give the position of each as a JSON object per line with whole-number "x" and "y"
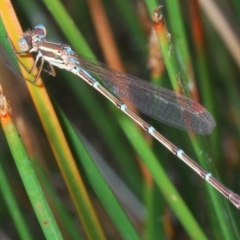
{"x": 41, "y": 31}
{"x": 23, "y": 45}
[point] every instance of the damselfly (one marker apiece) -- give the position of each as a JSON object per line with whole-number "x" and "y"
{"x": 157, "y": 102}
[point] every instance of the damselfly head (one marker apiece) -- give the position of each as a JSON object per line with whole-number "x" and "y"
{"x": 31, "y": 38}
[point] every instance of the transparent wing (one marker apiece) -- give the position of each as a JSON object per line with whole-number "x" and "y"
{"x": 159, "y": 103}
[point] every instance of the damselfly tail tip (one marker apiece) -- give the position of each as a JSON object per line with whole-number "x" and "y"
{"x": 235, "y": 200}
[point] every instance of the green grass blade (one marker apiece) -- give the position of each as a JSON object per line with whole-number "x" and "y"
{"x": 13, "y": 207}
{"x": 30, "y": 180}
{"x": 99, "y": 184}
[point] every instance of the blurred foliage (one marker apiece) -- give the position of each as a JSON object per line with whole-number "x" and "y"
{"x": 217, "y": 85}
